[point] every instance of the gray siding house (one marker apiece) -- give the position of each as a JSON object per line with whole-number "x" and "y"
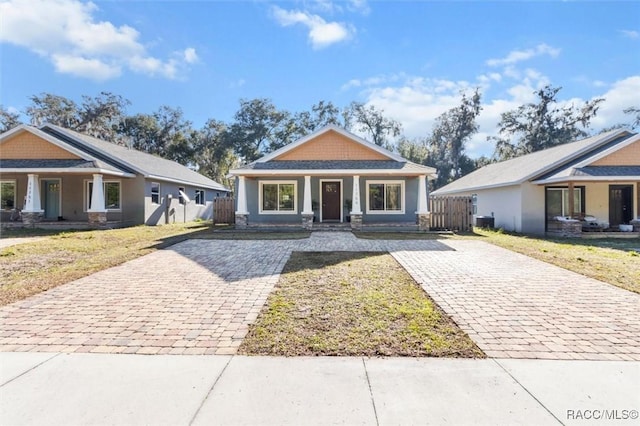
{"x": 593, "y": 181}
{"x": 332, "y": 176}
{"x": 52, "y": 174}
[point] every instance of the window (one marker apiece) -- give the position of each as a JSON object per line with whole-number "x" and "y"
{"x": 557, "y": 200}
{"x": 181, "y": 191}
{"x": 112, "y": 199}
{"x": 278, "y": 196}
{"x": 155, "y": 192}
{"x": 7, "y": 195}
{"x": 474, "y": 203}
{"x": 385, "y": 197}
{"x": 200, "y": 196}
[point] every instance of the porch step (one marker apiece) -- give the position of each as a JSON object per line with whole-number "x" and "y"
{"x": 340, "y": 227}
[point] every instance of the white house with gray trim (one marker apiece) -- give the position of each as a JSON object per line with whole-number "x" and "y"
{"x": 531, "y": 193}
{"x": 332, "y": 176}
{"x": 52, "y": 174}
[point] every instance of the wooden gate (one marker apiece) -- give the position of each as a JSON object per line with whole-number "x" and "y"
{"x": 224, "y": 210}
{"x": 451, "y": 213}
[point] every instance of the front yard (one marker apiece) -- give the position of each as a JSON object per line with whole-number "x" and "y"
{"x": 348, "y": 304}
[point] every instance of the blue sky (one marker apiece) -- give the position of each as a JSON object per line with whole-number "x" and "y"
{"x": 410, "y": 59}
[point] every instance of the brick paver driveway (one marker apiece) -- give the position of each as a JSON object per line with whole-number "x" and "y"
{"x": 200, "y": 296}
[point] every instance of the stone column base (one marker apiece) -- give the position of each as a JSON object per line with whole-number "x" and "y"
{"x": 568, "y": 228}
{"x": 307, "y": 221}
{"x": 423, "y": 221}
{"x": 242, "y": 221}
{"x": 29, "y": 218}
{"x": 636, "y": 225}
{"x": 356, "y": 222}
{"x": 98, "y": 219}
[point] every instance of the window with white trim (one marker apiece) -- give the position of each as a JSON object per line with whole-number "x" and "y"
{"x": 278, "y": 196}
{"x": 155, "y": 193}
{"x": 385, "y": 197}
{"x": 474, "y": 203}
{"x": 200, "y": 197}
{"x": 7, "y": 194}
{"x": 112, "y": 195}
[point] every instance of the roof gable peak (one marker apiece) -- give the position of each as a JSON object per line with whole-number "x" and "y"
{"x": 324, "y": 130}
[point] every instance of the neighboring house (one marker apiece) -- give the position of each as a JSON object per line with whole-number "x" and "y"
{"x": 54, "y": 174}
{"x": 530, "y": 193}
{"x": 332, "y": 176}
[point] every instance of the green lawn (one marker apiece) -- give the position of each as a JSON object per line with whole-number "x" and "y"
{"x": 353, "y": 304}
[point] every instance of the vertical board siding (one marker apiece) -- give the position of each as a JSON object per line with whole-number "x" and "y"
{"x": 451, "y": 213}
{"x": 224, "y": 210}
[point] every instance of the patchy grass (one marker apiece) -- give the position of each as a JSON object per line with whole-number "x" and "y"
{"x": 615, "y": 261}
{"x": 31, "y": 268}
{"x": 355, "y": 304}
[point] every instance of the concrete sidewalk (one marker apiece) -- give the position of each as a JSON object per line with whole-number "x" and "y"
{"x": 88, "y": 389}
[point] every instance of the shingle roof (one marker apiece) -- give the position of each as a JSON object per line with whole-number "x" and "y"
{"x": 530, "y": 166}
{"x": 46, "y": 164}
{"x": 608, "y": 171}
{"x": 132, "y": 160}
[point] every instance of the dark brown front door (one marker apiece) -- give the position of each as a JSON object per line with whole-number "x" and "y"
{"x": 330, "y": 201}
{"x": 620, "y": 204}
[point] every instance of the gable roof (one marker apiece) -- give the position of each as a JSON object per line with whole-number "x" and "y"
{"x": 538, "y": 164}
{"x": 331, "y": 127}
{"x": 110, "y": 157}
{"x": 393, "y": 164}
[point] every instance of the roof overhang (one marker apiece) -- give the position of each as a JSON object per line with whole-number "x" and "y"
{"x": 85, "y": 171}
{"x": 184, "y": 182}
{"x": 586, "y": 179}
{"x": 330, "y": 172}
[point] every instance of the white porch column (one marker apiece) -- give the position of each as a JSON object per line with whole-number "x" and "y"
{"x": 355, "y": 194}
{"x": 306, "y": 205}
{"x": 97, "y": 195}
{"x": 32, "y": 204}
{"x": 242, "y": 196}
{"x": 423, "y": 205}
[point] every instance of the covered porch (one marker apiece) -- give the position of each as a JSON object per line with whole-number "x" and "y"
{"x": 320, "y": 199}
{"x": 593, "y": 206}
{"x": 62, "y": 199}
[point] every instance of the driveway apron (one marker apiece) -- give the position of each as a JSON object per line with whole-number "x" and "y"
{"x": 200, "y": 296}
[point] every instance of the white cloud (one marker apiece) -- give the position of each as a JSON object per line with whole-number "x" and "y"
{"x": 190, "y": 55}
{"x": 632, "y": 34}
{"x": 516, "y": 56}
{"x": 321, "y": 33}
{"x": 417, "y": 101}
{"x": 621, "y": 94}
{"x": 82, "y": 67}
{"x": 67, "y": 34}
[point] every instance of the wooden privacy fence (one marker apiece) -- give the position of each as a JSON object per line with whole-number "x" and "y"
{"x": 224, "y": 210}
{"x": 451, "y": 213}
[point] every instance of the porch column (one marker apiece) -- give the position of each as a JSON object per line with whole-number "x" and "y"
{"x": 32, "y": 211}
{"x": 422, "y": 213}
{"x": 97, "y": 210}
{"x": 242, "y": 215}
{"x": 571, "y": 200}
{"x": 307, "y": 210}
{"x": 356, "y": 209}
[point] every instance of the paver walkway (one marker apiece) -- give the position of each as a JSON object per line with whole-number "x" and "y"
{"x": 200, "y": 296}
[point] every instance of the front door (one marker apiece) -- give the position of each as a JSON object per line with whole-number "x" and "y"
{"x": 51, "y": 199}
{"x": 620, "y": 204}
{"x": 331, "y": 201}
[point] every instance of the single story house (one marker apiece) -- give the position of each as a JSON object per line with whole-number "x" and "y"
{"x": 332, "y": 176}
{"x": 597, "y": 178}
{"x": 53, "y": 174}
